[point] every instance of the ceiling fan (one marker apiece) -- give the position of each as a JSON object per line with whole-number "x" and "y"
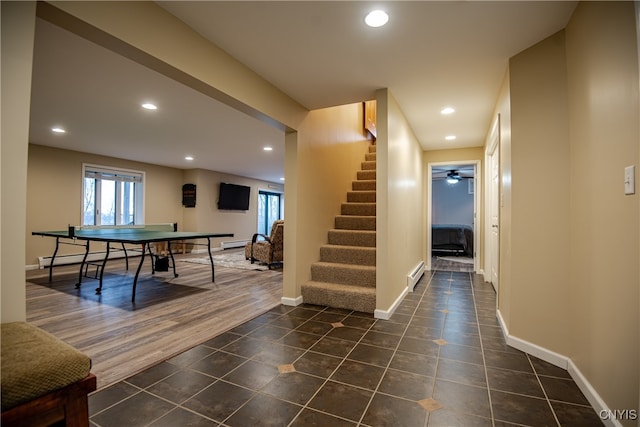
{"x": 452, "y": 175}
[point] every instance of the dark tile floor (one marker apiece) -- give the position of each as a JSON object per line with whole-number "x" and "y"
{"x": 440, "y": 360}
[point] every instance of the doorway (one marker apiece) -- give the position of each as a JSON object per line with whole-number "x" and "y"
{"x": 492, "y": 204}
{"x": 452, "y": 215}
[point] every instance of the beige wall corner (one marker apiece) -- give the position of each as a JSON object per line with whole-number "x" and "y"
{"x": 18, "y": 31}
{"x": 400, "y": 210}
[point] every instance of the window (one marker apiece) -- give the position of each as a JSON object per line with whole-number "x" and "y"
{"x": 112, "y": 196}
{"x": 269, "y": 210}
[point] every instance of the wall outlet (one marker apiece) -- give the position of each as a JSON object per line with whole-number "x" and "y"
{"x": 630, "y": 180}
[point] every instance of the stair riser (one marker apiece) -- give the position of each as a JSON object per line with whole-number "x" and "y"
{"x": 363, "y": 185}
{"x": 370, "y": 157}
{"x": 370, "y": 166}
{"x": 353, "y": 222}
{"x": 361, "y": 197}
{"x": 355, "y": 238}
{"x": 361, "y": 209}
{"x": 355, "y": 256}
{"x": 336, "y": 273}
{"x": 372, "y": 148}
{"x": 366, "y": 175}
{"x": 340, "y": 298}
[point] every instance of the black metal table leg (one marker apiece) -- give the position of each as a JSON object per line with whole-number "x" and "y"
{"x": 173, "y": 262}
{"x": 135, "y": 279}
{"x": 104, "y": 264}
{"x": 213, "y": 272}
{"x": 84, "y": 260}
{"x": 53, "y": 258}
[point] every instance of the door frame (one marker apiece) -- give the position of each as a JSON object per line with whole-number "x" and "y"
{"x": 492, "y": 149}
{"x": 477, "y": 229}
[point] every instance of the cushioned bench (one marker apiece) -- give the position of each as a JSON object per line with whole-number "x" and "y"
{"x": 44, "y": 380}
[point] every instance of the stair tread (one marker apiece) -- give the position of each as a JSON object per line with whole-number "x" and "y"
{"x": 355, "y": 288}
{"x": 345, "y": 266}
{"x": 350, "y": 247}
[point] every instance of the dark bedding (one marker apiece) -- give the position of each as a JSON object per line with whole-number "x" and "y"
{"x": 452, "y": 237}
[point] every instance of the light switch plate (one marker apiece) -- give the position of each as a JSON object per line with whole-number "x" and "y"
{"x": 630, "y": 180}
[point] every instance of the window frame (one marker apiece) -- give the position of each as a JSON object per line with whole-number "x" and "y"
{"x": 117, "y": 174}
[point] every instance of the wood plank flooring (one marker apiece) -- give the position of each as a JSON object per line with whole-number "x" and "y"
{"x": 169, "y": 316}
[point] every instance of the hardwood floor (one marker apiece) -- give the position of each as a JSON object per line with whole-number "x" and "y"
{"x": 169, "y": 315}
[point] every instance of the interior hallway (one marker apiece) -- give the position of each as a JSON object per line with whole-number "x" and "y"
{"x": 440, "y": 361}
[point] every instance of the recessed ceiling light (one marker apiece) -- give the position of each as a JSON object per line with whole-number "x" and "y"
{"x": 447, "y": 110}
{"x": 267, "y": 148}
{"x": 376, "y": 18}
{"x": 58, "y": 129}
{"x": 450, "y": 137}
{"x": 188, "y": 158}
{"x": 149, "y": 106}
{"x": 282, "y": 179}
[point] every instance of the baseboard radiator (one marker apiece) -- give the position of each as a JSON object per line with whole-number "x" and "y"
{"x": 415, "y": 275}
{"x": 45, "y": 261}
{"x": 234, "y": 244}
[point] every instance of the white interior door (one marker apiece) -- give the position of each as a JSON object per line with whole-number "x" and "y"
{"x": 495, "y": 218}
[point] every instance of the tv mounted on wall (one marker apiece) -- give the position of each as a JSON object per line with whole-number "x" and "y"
{"x": 233, "y": 197}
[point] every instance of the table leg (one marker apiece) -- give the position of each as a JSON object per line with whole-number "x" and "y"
{"x": 84, "y": 260}
{"x": 135, "y": 279}
{"x": 53, "y": 258}
{"x": 104, "y": 264}
{"x": 213, "y": 272}
{"x": 173, "y": 262}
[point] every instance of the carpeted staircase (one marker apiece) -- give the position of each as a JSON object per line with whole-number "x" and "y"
{"x": 345, "y": 276}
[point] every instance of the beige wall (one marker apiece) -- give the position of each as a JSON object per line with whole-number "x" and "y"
{"x": 602, "y": 66}
{"x": 569, "y": 246}
{"x": 540, "y": 195}
{"x": 207, "y": 217}
{"x": 321, "y": 161}
{"x": 18, "y": 29}
{"x": 400, "y": 211}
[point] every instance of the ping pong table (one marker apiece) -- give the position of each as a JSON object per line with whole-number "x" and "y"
{"x": 142, "y": 235}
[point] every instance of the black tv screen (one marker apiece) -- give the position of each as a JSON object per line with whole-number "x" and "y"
{"x": 233, "y": 197}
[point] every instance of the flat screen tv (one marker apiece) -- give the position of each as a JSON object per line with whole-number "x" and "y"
{"x": 233, "y": 197}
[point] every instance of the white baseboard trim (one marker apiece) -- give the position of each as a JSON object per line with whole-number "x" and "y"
{"x": 293, "y": 302}
{"x": 386, "y": 314}
{"x": 414, "y": 276}
{"x": 564, "y": 362}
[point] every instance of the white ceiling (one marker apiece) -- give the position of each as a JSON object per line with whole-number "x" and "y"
{"x": 430, "y": 55}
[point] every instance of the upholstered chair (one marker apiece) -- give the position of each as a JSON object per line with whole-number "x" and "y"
{"x": 269, "y": 250}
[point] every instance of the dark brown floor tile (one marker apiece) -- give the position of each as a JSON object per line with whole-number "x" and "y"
{"x": 246, "y": 347}
{"x": 181, "y": 385}
{"x": 342, "y": 400}
{"x": 218, "y": 401}
{"x": 328, "y": 317}
{"x": 507, "y": 360}
{"x": 311, "y": 418}
{"x": 218, "y": 364}
{"x": 455, "y": 327}
{"x": 269, "y": 332}
{"x": 463, "y": 398}
{"x": 389, "y": 411}
{"x": 317, "y": 364}
{"x": 190, "y": 356}
{"x": 333, "y": 346}
{"x": 400, "y": 318}
{"x": 407, "y": 310}
{"x": 515, "y": 408}
{"x": 222, "y": 341}
{"x": 152, "y": 375}
{"x": 407, "y": 385}
{"x": 277, "y": 354}
{"x": 461, "y": 372}
{"x": 418, "y": 346}
{"x": 313, "y": 327}
{"x": 545, "y": 368}
{"x": 415, "y": 363}
{"x": 358, "y": 322}
{"x": 302, "y": 312}
{"x": 358, "y": 374}
{"x": 423, "y": 332}
{"x": 570, "y": 415}
{"x": 264, "y": 410}
{"x": 381, "y": 339}
{"x": 138, "y": 410}
{"x": 247, "y": 327}
{"x": 471, "y": 340}
{"x": 564, "y": 390}
{"x": 389, "y": 327}
{"x": 347, "y": 333}
{"x": 253, "y": 375}
{"x": 182, "y": 417}
{"x": 514, "y": 382}
{"x": 450, "y": 418}
{"x": 462, "y": 353}
{"x": 108, "y": 396}
{"x": 294, "y": 387}
{"x": 288, "y": 322}
{"x": 369, "y": 354}
{"x": 301, "y": 340}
